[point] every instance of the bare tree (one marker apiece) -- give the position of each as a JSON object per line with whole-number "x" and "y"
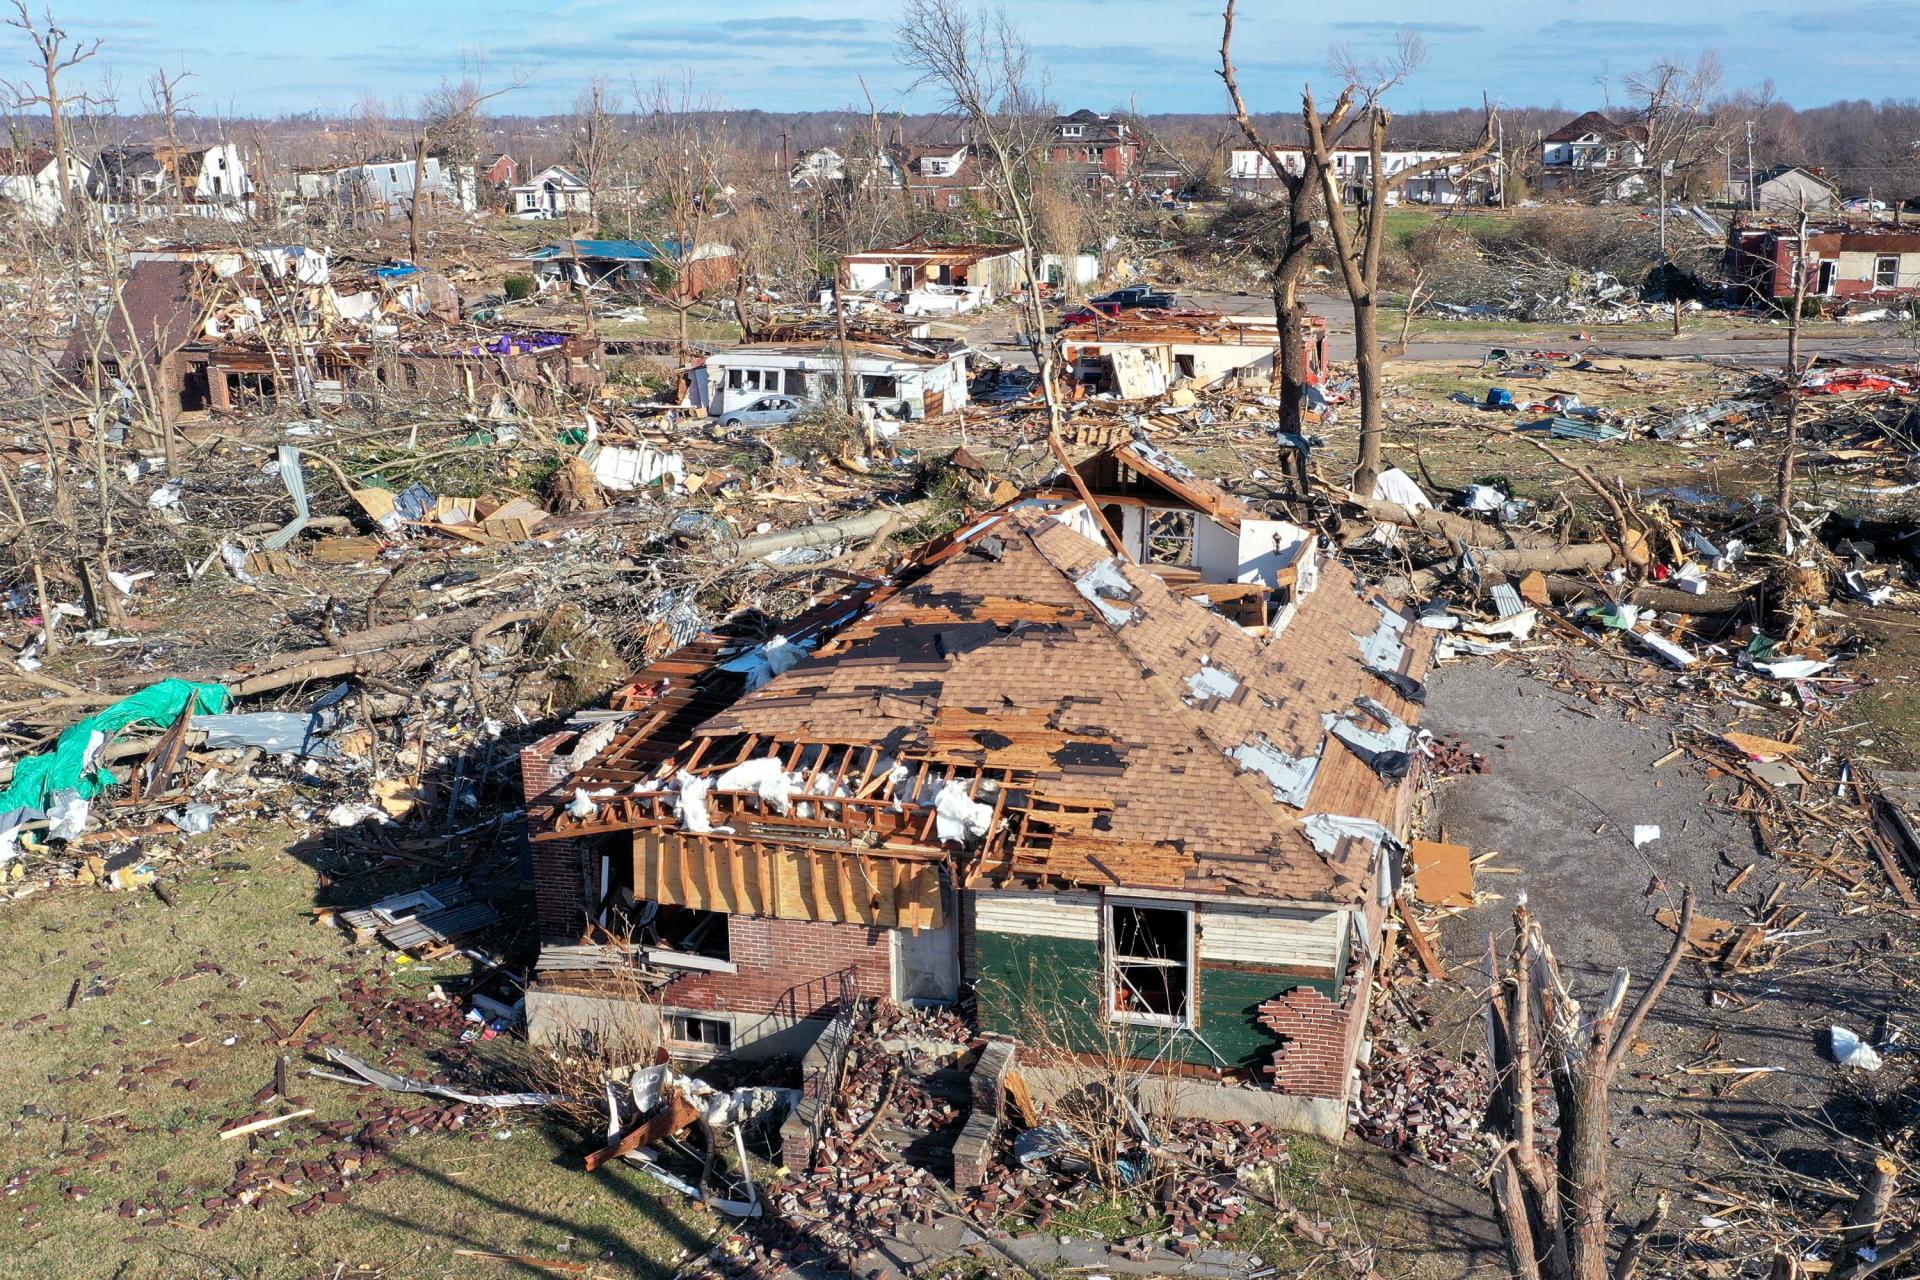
{"x": 981, "y": 68}
{"x": 1553, "y": 1198}
{"x": 1783, "y": 520}
{"x": 680, "y": 151}
{"x": 57, "y": 53}
{"x": 450, "y": 124}
{"x": 163, "y": 94}
{"x": 1361, "y": 246}
{"x": 1290, "y": 252}
{"x": 599, "y": 148}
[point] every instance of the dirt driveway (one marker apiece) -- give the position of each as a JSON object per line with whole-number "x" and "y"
{"x": 1570, "y": 780}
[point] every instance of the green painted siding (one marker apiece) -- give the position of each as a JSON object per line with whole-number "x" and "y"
{"x": 1022, "y": 978}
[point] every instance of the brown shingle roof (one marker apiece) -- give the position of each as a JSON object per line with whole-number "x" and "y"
{"x": 1593, "y": 122}
{"x": 1115, "y": 683}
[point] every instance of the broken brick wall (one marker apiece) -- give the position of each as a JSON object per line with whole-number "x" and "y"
{"x": 560, "y": 867}
{"x": 789, "y": 968}
{"x": 1320, "y": 1037}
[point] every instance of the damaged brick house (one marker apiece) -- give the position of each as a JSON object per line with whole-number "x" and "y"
{"x": 1024, "y": 766}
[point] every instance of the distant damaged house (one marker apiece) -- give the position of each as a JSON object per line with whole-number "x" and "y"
{"x": 202, "y": 180}
{"x": 910, "y": 378}
{"x": 219, "y": 329}
{"x": 554, "y": 192}
{"x": 1841, "y": 260}
{"x": 1023, "y": 766}
{"x": 938, "y": 278}
{"x": 670, "y": 267}
{"x": 30, "y": 180}
{"x": 1593, "y": 156}
{"x": 1144, "y": 353}
{"x": 1251, "y": 175}
{"x": 940, "y": 175}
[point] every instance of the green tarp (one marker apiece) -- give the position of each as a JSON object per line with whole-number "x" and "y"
{"x": 65, "y": 767}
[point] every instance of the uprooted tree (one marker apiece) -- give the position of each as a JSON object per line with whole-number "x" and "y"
{"x": 1553, "y": 1197}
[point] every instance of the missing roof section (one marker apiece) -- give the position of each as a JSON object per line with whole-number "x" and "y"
{"x": 1384, "y": 650}
{"x": 1211, "y": 682}
{"x": 1106, "y": 587}
{"x": 1291, "y": 777}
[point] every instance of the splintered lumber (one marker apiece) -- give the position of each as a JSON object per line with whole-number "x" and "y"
{"x": 255, "y": 1126}
{"x": 1708, "y": 936}
{"x": 670, "y": 1121}
{"x": 1022, "y": 1099}
{"x": 1422, "y": 945}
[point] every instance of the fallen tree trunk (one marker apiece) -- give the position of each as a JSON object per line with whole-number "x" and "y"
{"x": 1583, "y": 555}
{"x": 1445, "y": 524}
{"x": 383, "y": 662}
{"x": 1664, "y": 599}
{"x": 832, "y": 533}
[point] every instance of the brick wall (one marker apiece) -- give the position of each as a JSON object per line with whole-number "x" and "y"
{"x": 1320, "y": 1037}
{"x": 561, "y": 869}
{"x": 787, "y": 967}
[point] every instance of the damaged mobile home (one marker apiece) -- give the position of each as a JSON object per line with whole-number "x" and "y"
{"x": 1143, "y": 795}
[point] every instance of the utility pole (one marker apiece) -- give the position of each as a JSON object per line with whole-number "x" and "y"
{"x": 1753, "y": 189}
{"x": 1663, "y": 213}
{"x": 786, "y": 157}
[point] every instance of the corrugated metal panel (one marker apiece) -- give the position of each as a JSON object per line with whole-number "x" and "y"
{"x": 1271, "y": 935}
{"x": 1507, "y": 601}
{"x": 1039, "y": 915}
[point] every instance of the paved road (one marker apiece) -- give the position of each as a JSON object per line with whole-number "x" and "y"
{"x": 997, "y": 335}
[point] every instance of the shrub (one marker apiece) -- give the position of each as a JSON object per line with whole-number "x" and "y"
{"x": 520, "y": 288}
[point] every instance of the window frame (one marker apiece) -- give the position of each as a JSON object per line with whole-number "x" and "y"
{"x": 1110, "y": 963}
{"x": 679, "y": 1022}
{"x": 1191, "y": 538}
{"x": 1880, "y": 260}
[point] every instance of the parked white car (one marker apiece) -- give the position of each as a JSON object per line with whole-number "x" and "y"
{"x": 767, "y": 411}
{"x": 1861, "y": 204}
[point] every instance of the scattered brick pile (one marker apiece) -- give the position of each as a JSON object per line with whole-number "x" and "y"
{"x": 1421, "y": 1104}
{"x": 1197, "y": 1180}
{"x": 1453, "y": 757}
{"x": 862, "y": 1185}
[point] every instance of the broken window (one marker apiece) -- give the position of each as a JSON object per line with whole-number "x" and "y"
{"x": 797, "y": 383}
{"x": 1150, "y": 964}
{"x": 708, "y": 1033}
{"x": 695, "y": 932}
{"x": 1169, "y": 536}
{"x": 1886, "y": 271}
{"x": 879, "y": 387}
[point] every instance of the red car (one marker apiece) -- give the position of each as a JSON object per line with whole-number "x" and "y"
{"x": 1089, "y": 312}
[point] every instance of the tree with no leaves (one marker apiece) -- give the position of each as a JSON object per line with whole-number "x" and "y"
{"x": 980, "y": 66}
{"x": 56, "y": 52}
{"x": 1290, "y": 253}
{"x": 1553, "y": 1199}
{"x": 1361, "y": 246}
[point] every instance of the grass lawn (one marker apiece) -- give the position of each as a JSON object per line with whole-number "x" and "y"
{"x": 118, "y": 1101}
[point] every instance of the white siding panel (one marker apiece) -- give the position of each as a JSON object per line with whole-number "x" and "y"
{"x": 1039, "y": 915}
{"x": 1271, "y": 935}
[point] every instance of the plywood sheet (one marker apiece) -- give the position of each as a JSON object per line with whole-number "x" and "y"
{"x": 1442, "y": 874}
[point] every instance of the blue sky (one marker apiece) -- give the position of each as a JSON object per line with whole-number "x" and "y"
{"x": 270, "y": 56}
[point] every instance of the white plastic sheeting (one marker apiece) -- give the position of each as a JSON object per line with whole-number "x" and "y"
{"x": 1395, "y": 485}
{"x": 763, "y": 662}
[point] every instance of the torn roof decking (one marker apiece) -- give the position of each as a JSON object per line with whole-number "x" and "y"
{"x": 1115, "y": 708}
